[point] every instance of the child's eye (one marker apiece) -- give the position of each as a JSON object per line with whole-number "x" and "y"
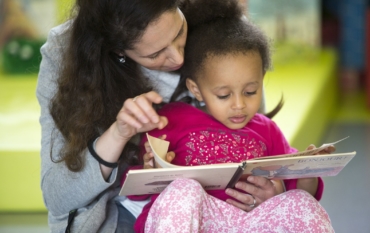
{"x": 250, "y": 93}
{"x": 222, "y": 97}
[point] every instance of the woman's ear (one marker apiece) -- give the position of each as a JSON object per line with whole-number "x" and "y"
{"x": 193, "y": 88}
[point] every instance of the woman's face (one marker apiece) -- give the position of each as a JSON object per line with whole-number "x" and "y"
{"x": 162, "y": 45}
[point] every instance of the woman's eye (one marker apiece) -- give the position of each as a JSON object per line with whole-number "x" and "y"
{"x": 154, "y": 56}
{"x": 222, "y": 97}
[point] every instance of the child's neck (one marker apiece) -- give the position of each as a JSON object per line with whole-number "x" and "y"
{"x": 203, "y": 108}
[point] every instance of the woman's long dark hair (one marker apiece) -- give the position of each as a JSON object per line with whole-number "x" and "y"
{"x": 92, "y": 83}
{"x": 218, "y": 28}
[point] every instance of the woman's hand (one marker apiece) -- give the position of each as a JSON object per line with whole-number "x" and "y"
{"x": 259, "y": 188}
{"x": 137, "y": 115}
{"x": 149, "y": 156}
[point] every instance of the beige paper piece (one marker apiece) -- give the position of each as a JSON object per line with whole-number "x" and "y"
{"x": 160, "y": 149}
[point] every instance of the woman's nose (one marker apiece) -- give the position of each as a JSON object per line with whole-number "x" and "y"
{"x": 177, "y": 54}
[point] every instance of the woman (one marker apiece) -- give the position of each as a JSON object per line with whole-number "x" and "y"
{"x": 94, "y": 97}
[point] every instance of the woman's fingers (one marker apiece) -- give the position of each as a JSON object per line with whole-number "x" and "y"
{"x": 138, "y": 115}
{"x": 124, "y": 117}
{"x": 141, "y": 107}
{"x": 142, "y": 110}
{"x": 163, "y": 121}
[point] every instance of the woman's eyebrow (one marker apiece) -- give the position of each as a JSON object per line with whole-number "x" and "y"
{"x": 181, "y": 31}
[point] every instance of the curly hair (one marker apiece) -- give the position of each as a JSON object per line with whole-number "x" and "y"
{"x": 92, "y": 84}
{"x": 218, "y": 28}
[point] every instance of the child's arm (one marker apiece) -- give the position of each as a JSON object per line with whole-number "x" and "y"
{"x": 312, "y": 184}
{"x": 308, "y": 184}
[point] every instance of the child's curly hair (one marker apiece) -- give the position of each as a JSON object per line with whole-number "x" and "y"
{"x": 219, "y": 27}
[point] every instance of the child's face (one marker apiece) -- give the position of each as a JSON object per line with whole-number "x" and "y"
{"x": 231, "y": 87}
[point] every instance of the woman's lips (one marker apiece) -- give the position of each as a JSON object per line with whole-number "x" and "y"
{"x": 238, "y": 119}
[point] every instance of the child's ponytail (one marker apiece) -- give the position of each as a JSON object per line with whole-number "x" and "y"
{"x": 203, "y": 11}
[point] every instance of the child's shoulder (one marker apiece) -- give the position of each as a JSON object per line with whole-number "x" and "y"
{"x": 176, "y": 108}
{"x": 260, "y": 118}
{"x": 262, "y": 123}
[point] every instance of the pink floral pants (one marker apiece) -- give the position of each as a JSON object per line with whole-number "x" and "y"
{"x": 184, "y": 206}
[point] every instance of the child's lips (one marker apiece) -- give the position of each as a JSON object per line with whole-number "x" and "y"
{"x": 238, "y": 119}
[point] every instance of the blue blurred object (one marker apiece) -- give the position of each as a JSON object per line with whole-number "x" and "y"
{"x": 352, "y": 20}
{"x": 352, "y": 46}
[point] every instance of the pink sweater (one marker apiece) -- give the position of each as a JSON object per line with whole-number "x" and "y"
{"x": 197, "y": 139}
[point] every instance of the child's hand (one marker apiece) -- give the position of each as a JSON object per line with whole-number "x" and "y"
{"x": 148, "y": 159}
{"x": 327, "y": 150}
{"x": 170, "y": 156}
{"x": 149, "y": 156}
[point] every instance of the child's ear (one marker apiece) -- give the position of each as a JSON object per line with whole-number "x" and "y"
{"x": 193, "y": 88}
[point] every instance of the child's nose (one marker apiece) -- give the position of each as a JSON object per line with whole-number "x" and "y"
{"x": 239, "y": 103}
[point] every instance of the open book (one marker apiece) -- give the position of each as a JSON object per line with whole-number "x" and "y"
{"x": 221, "y": 176}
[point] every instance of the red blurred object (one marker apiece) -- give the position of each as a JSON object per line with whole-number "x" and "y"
{"x": 330, "y": 30}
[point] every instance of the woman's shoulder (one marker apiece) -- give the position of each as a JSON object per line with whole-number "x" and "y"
{"x": 58, "y": 35}
{"x": 163, "y": 82}
{"x": 61, "y": 28}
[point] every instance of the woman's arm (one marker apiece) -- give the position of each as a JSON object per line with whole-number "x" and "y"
{"x": 64, "y": 190}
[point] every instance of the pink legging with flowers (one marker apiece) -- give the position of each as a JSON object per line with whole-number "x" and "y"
{"x": 184, "y": 206}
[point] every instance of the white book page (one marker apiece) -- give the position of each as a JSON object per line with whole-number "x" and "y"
{"x": 306, "y": 152}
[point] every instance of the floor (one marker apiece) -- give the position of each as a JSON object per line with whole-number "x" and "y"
{"x": 346, "y": 195}
{"x": 24, "y": 223}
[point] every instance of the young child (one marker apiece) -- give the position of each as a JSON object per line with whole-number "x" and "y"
{"x": 226, "y": 58}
